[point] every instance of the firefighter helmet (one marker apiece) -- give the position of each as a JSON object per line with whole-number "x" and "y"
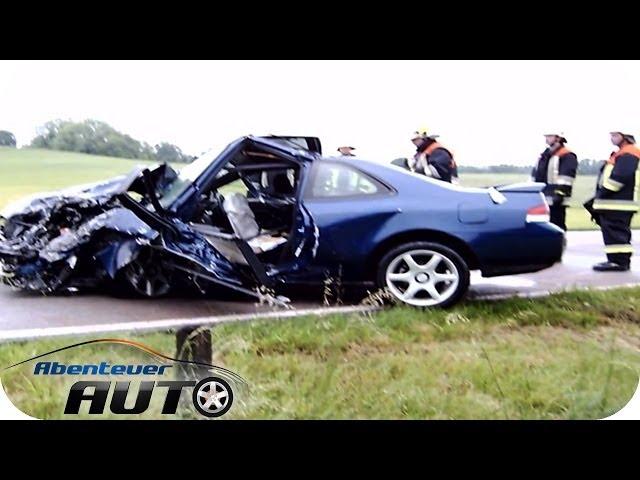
{"x": 626, "y": 133}
{"x": 422, "y": 132}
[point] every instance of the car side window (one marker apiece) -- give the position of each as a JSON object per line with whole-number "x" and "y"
{"x": 339, "y": 180}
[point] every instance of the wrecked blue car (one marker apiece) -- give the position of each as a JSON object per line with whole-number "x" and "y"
{"x": 270, "y": 212}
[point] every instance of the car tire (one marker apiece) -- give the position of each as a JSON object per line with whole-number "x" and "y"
{"x": 423, "y": 274}
{"x": 145, "y": 276}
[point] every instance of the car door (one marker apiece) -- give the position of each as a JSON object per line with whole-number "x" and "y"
{"x": 311, "y": 144}
{"x": 348, "y": 206}
{"x": 301, "y": 241}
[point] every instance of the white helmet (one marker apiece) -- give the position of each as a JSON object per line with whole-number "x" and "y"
{"x": 558, "y": 133}
{"x": 626, "y": 133}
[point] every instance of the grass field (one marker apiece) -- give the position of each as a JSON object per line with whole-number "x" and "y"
{"x": 26, "y": 171}
{"x": 571, "y": 355}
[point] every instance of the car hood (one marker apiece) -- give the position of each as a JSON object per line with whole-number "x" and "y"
{"x": 42, "y": 231}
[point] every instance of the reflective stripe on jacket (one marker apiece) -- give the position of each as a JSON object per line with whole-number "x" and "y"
{"x": 618, "y": 181}
{"x": 557, "y": 169}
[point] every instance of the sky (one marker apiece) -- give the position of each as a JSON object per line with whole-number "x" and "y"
{"x": 486, "y": 112}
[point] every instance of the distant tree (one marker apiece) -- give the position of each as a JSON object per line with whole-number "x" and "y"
{"x": 470, "y": 169}
{"x": 587, "y": 166}
{"x": 7, "y": 139}
{"x": 503, "y": 168}
{"x": 47, "y": 133}
{"x": 167, "y": 152}
{"x": 90, "y": 136}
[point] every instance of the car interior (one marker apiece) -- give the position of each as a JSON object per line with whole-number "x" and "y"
{"x": 247, "y": 212}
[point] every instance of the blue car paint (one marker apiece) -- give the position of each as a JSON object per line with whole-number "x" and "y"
{"x": 194, "y": 247}
{"x": 351, "y": 229}
{"x": 345, "y": 235}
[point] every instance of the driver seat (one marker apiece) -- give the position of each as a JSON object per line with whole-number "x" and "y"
{"x": 245, "y": 228}
{"x": 243, "y": 222}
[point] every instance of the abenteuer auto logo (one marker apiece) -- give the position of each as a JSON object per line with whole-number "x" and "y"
{"x": 131, "y": 388}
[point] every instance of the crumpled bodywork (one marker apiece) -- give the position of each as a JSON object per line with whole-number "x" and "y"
{"x": 81, "y": 236}
{"x": 85, "y": 236}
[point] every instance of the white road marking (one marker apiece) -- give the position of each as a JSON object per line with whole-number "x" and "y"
{"x": 35, "y": 333}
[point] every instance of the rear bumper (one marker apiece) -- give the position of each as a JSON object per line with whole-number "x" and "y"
{"x": 540, "y": 246}
{"x": 516, "y": 269}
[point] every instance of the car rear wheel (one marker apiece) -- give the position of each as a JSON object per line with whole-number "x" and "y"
{"x": 146, "y": 276}
{"x": 424, "y": 274}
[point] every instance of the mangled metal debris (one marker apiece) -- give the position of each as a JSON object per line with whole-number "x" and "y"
{"x": 155, "y": 230}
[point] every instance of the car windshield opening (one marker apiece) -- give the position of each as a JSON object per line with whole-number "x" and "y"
{"x": 186, "y": 176}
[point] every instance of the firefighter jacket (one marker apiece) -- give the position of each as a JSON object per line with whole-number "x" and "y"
{"x": 617, "y": 185}
{"x": 557, "y": 169}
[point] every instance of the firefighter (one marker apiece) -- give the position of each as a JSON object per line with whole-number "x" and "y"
{"x": 432, "y": 159}
{"x": 616, "y": 201}
{"x": 346, "y": 151}
{"x": 556, "y": 167}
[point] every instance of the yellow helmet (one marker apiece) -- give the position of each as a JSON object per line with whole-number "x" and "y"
{"x": 422, "y": 132}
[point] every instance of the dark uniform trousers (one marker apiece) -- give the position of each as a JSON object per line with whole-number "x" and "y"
{"x": 616, "y": 230}
{"x": 558, "y": 215}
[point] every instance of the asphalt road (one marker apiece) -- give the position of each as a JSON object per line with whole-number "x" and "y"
{"x": 574, "y": 272}
{"x": 26, "y": 315}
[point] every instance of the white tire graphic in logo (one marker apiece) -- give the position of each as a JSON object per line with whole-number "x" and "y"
{"x": 212, "y": 397}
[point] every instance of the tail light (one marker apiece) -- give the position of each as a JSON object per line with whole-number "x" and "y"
{"x": 539, "y": 213}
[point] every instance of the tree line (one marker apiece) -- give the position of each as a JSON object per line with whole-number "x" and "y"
{"x": 97, "y": 138}
{"x": 586, "y": 166}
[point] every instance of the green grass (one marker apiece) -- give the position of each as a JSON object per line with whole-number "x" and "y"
{"x": 26, "y": 171}
{"x": 571, "y": 355}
